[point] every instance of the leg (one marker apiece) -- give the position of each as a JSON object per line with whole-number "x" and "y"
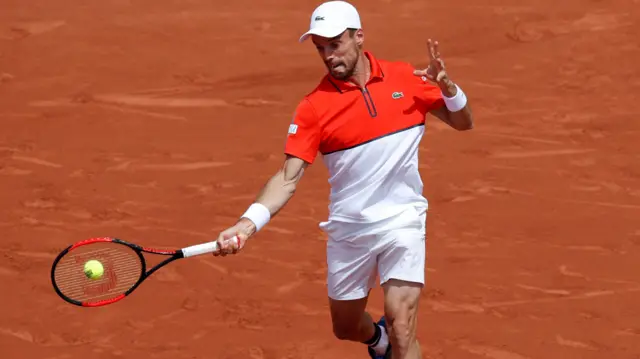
{"x": 401, "y": 313}
{"x": 351, "y": 275}
{"x": 350, "y": 321}
{"x": 402, "y": 275}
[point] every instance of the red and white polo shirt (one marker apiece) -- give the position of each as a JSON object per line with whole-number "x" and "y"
{"x": 368, "y": 138}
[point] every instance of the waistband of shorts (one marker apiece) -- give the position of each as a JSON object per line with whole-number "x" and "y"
{"x": 411, "y": 219}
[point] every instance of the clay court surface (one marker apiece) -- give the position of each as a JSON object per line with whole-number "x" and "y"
{"x": 158, "y": 122}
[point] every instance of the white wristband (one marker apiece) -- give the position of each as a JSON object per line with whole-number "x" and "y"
{"x": 259, "y": 214}
{"x": 457, "y": 102}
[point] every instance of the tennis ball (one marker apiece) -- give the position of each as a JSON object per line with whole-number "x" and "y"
{"x": 93, "y": 269}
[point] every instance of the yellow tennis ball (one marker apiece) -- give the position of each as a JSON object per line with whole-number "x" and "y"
{"x": 93, "y": 269}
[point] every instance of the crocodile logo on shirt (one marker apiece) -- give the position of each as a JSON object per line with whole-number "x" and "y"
{"x": 396, "y": 95}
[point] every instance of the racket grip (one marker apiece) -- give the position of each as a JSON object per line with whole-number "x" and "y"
{"x": 203, "y": 248}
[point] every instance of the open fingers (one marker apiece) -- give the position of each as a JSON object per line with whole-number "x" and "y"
{"x": 430, "y": 50}
{"x": 436, "y": 50}
{"x": 429, "y": 53}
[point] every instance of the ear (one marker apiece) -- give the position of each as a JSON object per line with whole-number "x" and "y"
{"x": 359, "y": 37}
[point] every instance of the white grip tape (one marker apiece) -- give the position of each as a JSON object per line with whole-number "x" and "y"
{"x": 203, "y": 248}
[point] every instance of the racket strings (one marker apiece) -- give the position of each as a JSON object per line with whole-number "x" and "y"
{"x": 122, "y": 270}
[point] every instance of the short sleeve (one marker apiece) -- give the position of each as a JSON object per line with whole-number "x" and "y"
{"x": 429, "y": 94}
{"x": 303, "y": 138}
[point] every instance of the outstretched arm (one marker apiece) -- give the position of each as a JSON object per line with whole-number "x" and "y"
{"x": 275, "y": 194}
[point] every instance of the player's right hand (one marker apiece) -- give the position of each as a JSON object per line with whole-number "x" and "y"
{"x": 241, "y": 230}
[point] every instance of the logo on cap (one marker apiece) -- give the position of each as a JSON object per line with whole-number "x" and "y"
{"x": 319, "y": 18}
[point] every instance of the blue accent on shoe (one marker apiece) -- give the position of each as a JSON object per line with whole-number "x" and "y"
{"x": 382, "y": 322}
{"x": 372, "y": 354}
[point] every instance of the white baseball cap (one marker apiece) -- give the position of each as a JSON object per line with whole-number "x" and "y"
{"x": 332, "y": 18}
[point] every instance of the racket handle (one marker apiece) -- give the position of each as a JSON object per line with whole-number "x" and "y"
{"x": 203, "y": 248}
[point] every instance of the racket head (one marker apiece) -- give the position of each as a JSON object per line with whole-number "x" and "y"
{"x": 123, "y": 264}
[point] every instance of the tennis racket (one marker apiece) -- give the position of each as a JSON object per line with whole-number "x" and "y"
{"x": 124, "y": 269}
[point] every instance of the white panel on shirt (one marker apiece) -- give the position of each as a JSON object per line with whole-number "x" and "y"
{"x": 376, "y": 180}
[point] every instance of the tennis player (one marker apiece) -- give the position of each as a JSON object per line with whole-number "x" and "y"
{"x": 366, "y": 118}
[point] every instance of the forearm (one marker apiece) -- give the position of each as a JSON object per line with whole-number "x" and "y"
{"x": 277, "y": 192}
{"x": 459, "y": 118}
{"x": 274, "y": 195}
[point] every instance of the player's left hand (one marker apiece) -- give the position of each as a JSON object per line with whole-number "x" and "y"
{"x": 436, "y": 71}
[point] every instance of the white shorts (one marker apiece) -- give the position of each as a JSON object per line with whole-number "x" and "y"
{"x": 358, "y": 253}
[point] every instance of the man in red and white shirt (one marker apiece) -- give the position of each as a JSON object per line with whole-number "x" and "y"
{"x": 366, "y": 118}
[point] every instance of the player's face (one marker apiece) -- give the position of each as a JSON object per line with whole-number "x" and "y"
{"x": 341, "y": 53}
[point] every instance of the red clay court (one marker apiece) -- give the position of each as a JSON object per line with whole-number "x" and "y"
{"x": 158, "y": 122}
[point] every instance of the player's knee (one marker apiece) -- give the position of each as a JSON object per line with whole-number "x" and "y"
{"x": 401, "y": 313}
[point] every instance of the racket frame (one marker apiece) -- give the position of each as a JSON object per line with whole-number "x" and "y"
{"x": 194, "y": 250}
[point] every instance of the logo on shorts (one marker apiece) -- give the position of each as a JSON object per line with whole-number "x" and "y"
{"x": 293, "y": 129}
{"x": 396, "y": 95}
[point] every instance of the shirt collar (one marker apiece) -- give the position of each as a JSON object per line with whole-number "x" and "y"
{"x": 376, "y": 74}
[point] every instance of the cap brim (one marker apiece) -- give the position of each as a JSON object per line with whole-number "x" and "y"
{"x": 327, "y": 32}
